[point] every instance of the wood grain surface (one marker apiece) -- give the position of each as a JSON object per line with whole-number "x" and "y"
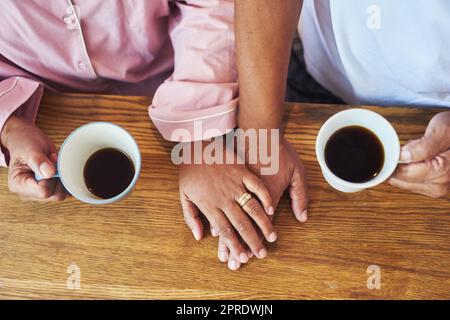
{"x": 141, "y": 248}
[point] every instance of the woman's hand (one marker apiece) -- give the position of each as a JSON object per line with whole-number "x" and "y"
{"x": 213, "y": 190}
{"x": 291, "y": 176}
{"x": 428, "y": 158}
{"x": 31, "y": 151}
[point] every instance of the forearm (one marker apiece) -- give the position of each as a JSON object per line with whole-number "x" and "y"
{"x": 10, "y": 123}
{"x": 202, "y": 92}
{"x": 264, "y": 30}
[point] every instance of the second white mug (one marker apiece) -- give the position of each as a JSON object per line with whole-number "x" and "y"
{"x": 371, "y": 121}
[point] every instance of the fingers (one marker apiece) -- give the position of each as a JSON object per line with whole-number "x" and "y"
{"x": 253, "y": 184}
{"x": 21, "y": 181}
{"x": 214, "y": 232}
{"x": 246, "y": 230}
{"x": 298, "y": 192}
{"x": 227, "y": 234}
{"x": 226, "y": 256}
{"x": 222, "y": 251}
{"x": 32, "y": 190}
{"x": 421, "y": 149}
{"x": 256, "y": 212}
{"x": 413, "y": 172}
{"x": 46, "y": 191}
{"x": 233, "y": 263}
{"x": 431, "y": 177}
{"x": 435, "y": 141}
{"x": 435, "y": 170}
{"x": 41, "y": 164}
{"x": 430, "y": 189}
{"x": 192, "y": 217}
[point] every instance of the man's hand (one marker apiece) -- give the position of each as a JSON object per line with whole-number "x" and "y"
{"x": 428, "y": 158}
{"x": 291, "y": 177}
{"x": 213, "y": 191}
{"x": 31, "y": 151}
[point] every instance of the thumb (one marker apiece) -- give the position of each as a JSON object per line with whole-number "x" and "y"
{"x": 299, "y": 194}
{"x": 421, "y": 149}
{"x": 41, "y": 164}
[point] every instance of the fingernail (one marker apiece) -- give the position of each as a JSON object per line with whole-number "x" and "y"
{"x": 262, "y": 253}
{"x": 223, "y": 256}
{"x": 46, "y": 169}
{"x": 304, "y": 216}
{"x": 213, "y": 232}
{"x": 272, "y": 237}
{"x": 243, "y": 257}
{"x": 196, "y": 235}
{"x": 271, "y": 211}
{"x": 233, "y": 265}
{"x": 249, "y": 254}
{"x": 405, "y": 155}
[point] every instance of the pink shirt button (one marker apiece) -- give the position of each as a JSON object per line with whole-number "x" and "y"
{"x": 82, "y": 65}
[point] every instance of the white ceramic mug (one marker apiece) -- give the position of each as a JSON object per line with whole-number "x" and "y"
{"x": 369, "y": 120}
{"x": 81, "y": 144}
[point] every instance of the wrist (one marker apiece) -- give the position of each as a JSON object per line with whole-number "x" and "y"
{"x": 200, "y": 152}
{"x": 271, "y": 121}
{"x": 255, "y": 146}
{"x": 5, "y": 130}
{"x": 11, "y": 124}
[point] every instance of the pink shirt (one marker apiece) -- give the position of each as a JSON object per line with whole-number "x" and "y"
{"x": 179, "y": 52}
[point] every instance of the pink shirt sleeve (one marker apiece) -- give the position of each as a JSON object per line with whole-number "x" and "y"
{"x": 18, "y": 92}
{"x": 200, "y": 98}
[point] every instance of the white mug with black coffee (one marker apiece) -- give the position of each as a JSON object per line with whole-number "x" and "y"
{"x": 99, "y": 163}
{"x": 357, "y": 149}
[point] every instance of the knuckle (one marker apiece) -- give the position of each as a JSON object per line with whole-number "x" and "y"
{"x": 226, "y": 233}
{"x": 438, "y": 164}
{"x": 229, "y": 204}
{"x": 253, "y": 208}
{"x": 235, "y": 171}
{"x": 243, "y": 226}
{"x": 403, "y": 171}
{"x": 201, "y": 198}
{"x": 34, "y": 156}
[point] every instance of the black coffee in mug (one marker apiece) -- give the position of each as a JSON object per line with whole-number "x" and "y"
{"x": 354, "y": 154}
{"x": 108, "y": 172}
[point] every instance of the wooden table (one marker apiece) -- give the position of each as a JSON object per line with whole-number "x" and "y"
{"x": 141, "y": 248}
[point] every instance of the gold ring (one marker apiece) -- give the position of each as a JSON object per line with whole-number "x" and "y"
{"x": 243, "y": 199}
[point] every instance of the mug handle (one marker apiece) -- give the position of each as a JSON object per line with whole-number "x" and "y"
{"x": 38, "y": 177}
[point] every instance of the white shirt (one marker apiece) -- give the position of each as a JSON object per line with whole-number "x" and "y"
{"x": 380, "y": 52}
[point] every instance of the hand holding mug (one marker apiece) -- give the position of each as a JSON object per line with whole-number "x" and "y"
{"x": 351, "y": 167}
{"x": 31, "y": 152}
{"x": 427, "y": 168}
